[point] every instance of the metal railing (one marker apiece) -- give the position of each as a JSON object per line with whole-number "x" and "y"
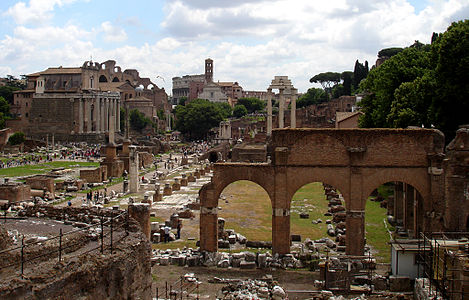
{"x": 438, "y": 258}
{"x": 107, "y": 227}
{"x": 177, "y": 289}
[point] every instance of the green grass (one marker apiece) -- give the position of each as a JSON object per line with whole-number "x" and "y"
{"x": 375, "y": 231}
{"x": 43, "y": 168}
{"x": 249, "y": 211}
{"x": 156, "y": 219}
{"x": 174, "y": 245}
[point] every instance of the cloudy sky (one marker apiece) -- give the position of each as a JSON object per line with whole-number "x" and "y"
{"x": 250, "y": 41}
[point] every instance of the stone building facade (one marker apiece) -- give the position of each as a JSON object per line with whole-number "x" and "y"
{"x": 79, "y": 103}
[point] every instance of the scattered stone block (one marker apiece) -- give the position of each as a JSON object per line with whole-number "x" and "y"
{"x": 399, "y": 283}
{"x": 247, "y": 265}
{"x": 296, "y": 238}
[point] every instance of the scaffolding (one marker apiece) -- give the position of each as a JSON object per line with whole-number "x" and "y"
{"x": 444, "y": 257}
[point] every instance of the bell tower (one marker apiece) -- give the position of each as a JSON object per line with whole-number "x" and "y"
{"x": 208, "y": 70}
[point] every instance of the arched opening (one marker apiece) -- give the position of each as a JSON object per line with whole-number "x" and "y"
{"x": 102, "y": 78}
{"x": 467, "y": 222}
{"x": 115, "y": 79}
{"x": 394, "y": 210}
{"x": 317, "y": 212}
{"x": 213, "y": 157}
{"x": 151, "y": 86}
{"x": 244, "y": 216}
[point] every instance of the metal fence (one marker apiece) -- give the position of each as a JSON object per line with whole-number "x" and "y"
{"x": 106, "y": 241}
{"x": 439, "y": 255}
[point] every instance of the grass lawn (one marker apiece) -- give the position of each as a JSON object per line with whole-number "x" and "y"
{"x": 43, "y": 168}
{"x": 249, "y": 212}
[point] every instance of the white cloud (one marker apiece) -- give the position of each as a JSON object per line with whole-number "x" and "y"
{"x": 250, "y": 41}
{"x": 113, "y": 33}
{"x": 37, "y": 12}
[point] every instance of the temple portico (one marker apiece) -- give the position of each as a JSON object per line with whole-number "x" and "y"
{"x": 95, "y": 112}
{"x": 286, "y": 91}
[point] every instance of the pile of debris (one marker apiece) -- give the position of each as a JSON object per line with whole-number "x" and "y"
{"x": 243, "y": 260}
{"x": 252, "y": 289}
{"x": 336, "y": 225}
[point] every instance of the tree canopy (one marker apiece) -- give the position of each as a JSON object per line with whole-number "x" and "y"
{"x": 196, "y": 118}
{"x": 16, "y": 138}
{"x": 239, "y": 111}
{"x": 138, "y": 121}
{"x": 252, "y": 104}
{"x": 327, "y": 79}
{"x": 422, "y": 85}
{"x": 4, "y": 111}
{"x": 312, "y": 96}
{"x": 389, "y": 52}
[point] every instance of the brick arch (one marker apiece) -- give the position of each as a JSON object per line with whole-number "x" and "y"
{"x": 355, "y": 161}
{"x": 417, "y": 178}
{"x": 236, "y": 172}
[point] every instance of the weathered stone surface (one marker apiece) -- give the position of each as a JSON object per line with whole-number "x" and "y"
{"x": 399, "y": 283}
{"x": 247, "y": 265}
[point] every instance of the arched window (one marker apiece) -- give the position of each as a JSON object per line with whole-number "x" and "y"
{"x": 102, "y": 78}
{"x": 115, "y": 79}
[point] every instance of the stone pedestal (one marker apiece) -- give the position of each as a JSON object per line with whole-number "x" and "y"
{"x": 147, "y": 198}
{"x": 167, "y": 191}
{"x": 184, "y": 180}
{"x": 355, "y": 237}
{"x": 191, "y": 178}
{"x": 281, "y": 231}
{"x": 141, "y": 213}
{"x": 176, "y": 185}
{"x": 157, "y": 196}
{"x": 133, "y": 170}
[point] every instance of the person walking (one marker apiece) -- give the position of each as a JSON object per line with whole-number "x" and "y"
{"x": 179, "y": 227}
{"x": 166, "y": 233}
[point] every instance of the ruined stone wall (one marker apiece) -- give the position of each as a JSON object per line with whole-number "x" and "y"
{"x": 145, "y": 159}
{"x": 51, "y": 114}
{"x": 15, "y": 192}
{"x": 94, "y": 175}
{"x": 41, "y": 182}
{"x": 125, "y": 274}
{"x": 456, "y": 173}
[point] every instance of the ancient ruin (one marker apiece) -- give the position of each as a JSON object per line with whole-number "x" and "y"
{"x": 356, "y": 162}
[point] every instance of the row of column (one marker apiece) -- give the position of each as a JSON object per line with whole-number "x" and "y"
{"x": 406, "y": 207}
{"x": 94, "y": 114}
{"x": 281, "y": 109}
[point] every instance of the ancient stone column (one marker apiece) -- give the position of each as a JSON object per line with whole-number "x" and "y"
{"x": 409, "y": 198}
{"x": 88, "y": 115}
{"x": 118, "y": 113}
{"x": 102, "y": 117}
{"x": 355, "y": 237}
{"x": 106, "y": 113}
{"x": 208, "y": 229}
{"x": 281, "y": 230}
{"x": 80, "y": 115}
{"x": 97, "y": 114}
{"x": 281, "y": 109}
{"x": 141, "y": 213}
{"x": 269, "y": 112}
{"x": 398, "y": 202}
{"x": 133, "y": 169}
{"x": 294, "y": 95}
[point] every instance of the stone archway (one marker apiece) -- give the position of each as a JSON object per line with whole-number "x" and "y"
{"x": 353, "y": 160}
